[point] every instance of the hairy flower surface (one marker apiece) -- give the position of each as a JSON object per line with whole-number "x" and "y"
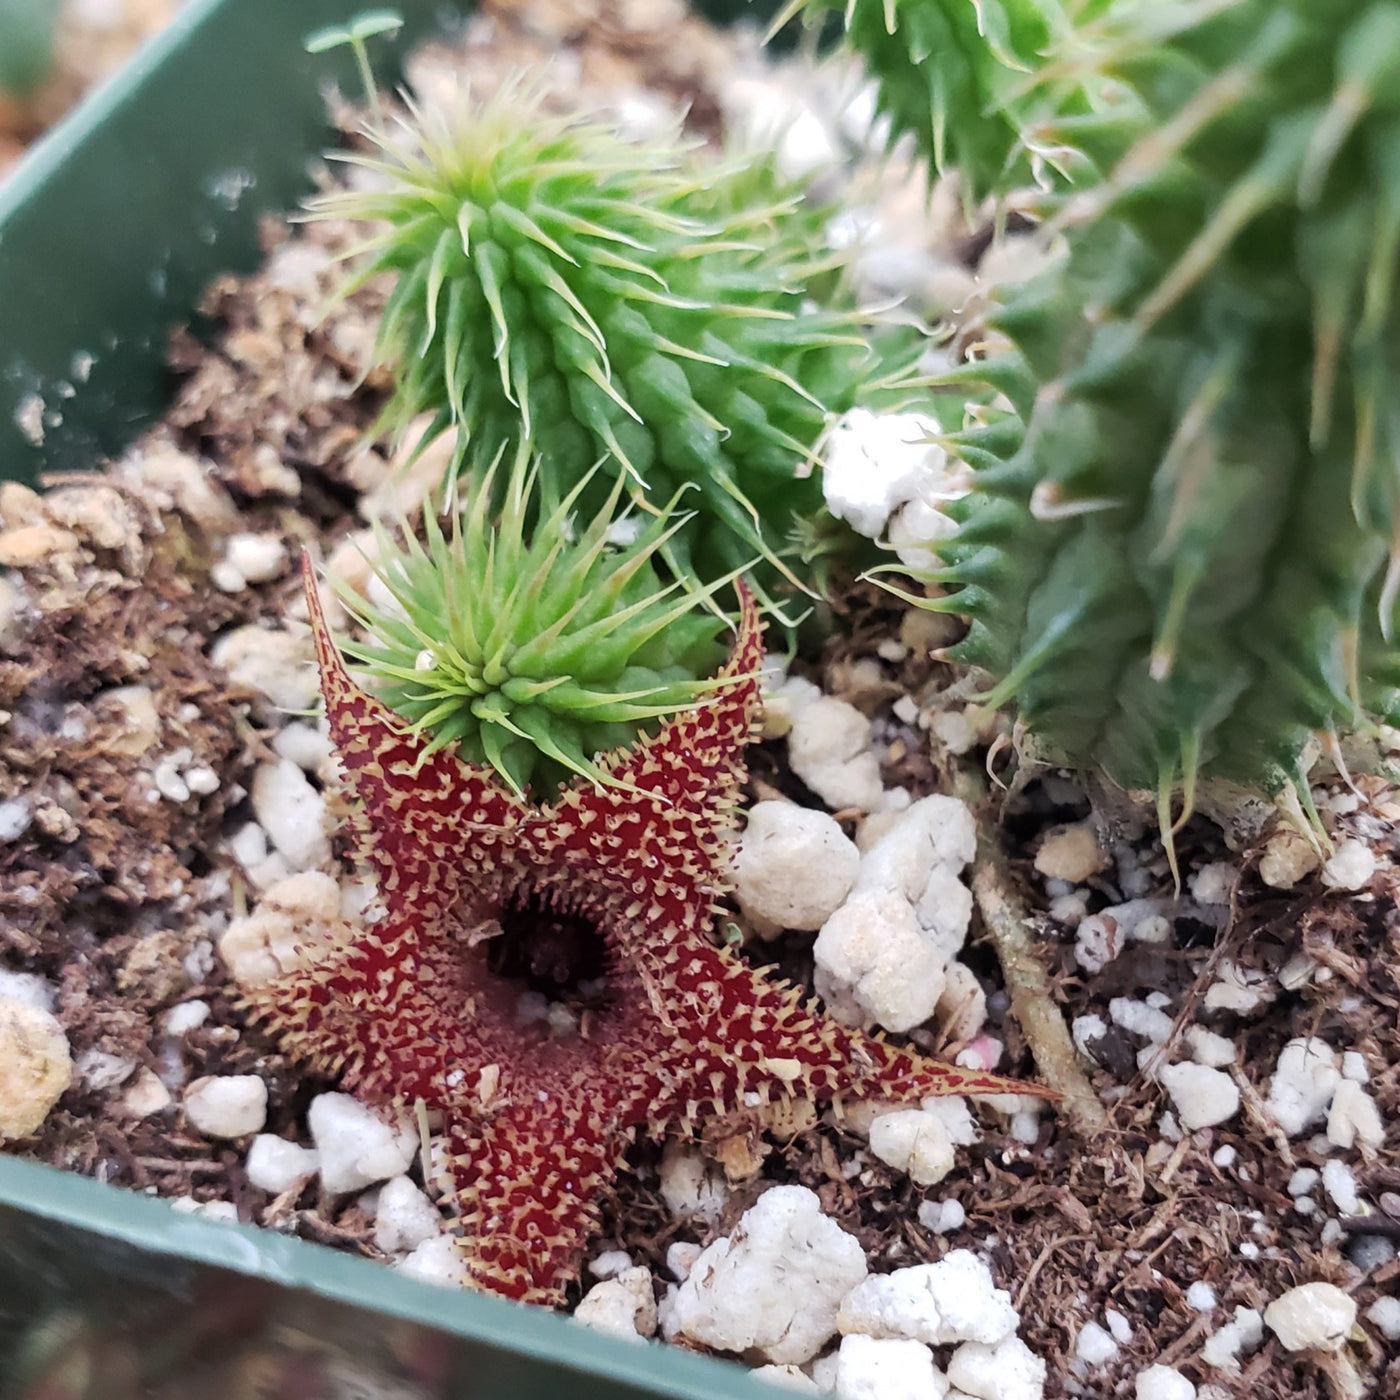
{"x": 557, "y": 282}
{"x": 536, "y": 647}
{"x": 610, "y": 889}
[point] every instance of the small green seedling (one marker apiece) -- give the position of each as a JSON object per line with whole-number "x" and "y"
{"x": 362, "y": 28}
{"x": 557, "y": 282}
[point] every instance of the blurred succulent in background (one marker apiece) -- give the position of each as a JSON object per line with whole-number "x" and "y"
{"x": 1182, "y": 551}
{"x": 951, "y": 74}
{"x": 26, "y": 44}
{"x": 556, "y": 282}
{"x": 534, "y": 645}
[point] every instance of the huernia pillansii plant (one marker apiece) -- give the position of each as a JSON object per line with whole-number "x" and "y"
{"x": 647, "y": 304}
{"x": 950, "y": 74}
{"x": 604, "y": 900}
{"x": 533, "y": 646}
{"x": 1183, "y": 549}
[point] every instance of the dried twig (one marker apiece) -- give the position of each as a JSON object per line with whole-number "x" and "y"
{"x": 1004, "y": 913}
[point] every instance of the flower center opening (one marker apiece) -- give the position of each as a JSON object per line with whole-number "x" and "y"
{"x": 557, "y": 956}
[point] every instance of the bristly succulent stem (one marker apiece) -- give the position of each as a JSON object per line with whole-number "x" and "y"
{"x": 558, "y": 283}
{"x": 1177, "y": 561}
{"x": 1007, "y": 922}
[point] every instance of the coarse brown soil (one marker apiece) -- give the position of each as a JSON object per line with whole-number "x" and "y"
{"x": 117, "y": 892}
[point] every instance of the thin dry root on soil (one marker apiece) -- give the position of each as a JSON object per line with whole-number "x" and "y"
{"x": 1027, "y": 983}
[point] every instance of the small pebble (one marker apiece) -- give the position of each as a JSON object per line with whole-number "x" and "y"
{"x": 874, "y": 963}
{"x": 1239, "y": 989}
{"x": 691, "y": 1185}
{"x": 1163, "y": 1383}
{"x": 787, "y": 1378}
{"x": 1008, "y": 1371}
{"x": 101, "y": 1071}
{"x": 225, "y": 1212}
{"x": 828, "y": 747}
{"x": 875, "y": 462}
{"x": 1350, "y": 867}
{"x": 1095, "y": 1345}
{"x": 1305, "y": 1078}
{"x": 1069, "y": 909}
{"x": 610, "y": 1263}
{"x": 1086, "y": 1031}
{"x": 1224, "y": 1156}
{"x": 226, "y": 578}
{"x": 435, "y": 1261}
{"x": 182, "y": 1019}
{"x": 953, "y": 1300}
{"x": 145, "y": 1095}
{"x": 1384, "y": 1314}
{"x": 357, "y": 1147}
{"x": 28, "y": 987}
{"x": 1202, "y": 1096}
{"x": 1141, "y": 1019}
{"x": 279, "y": 664}
{"x": 942, "y": 1217}
{"x": 1353, "y": 1118}
{"x": 870, "y": 1369}
{"x": 1287, "y": 858}
{"x": 275, "y": 1165}
{"x": 794, "y": 866}
{"x": 36, "y": 1066}
{"x": 1207, "y": 1048}
{"x": 681, "y": 1257}
{"x": 624, "y": 1306}
{"x": 404, "y": 1218}
{"x": 1313, "y": 1316}
{"x": 259, "y": 558}
{"x": 1370, "y": 1252}
{"x": 1214, "y": 883}
{"x": 292, "y": 813}
{"x": 306, "y": 745}
{"x": 227, "y": 1106}
{"x": 1339, "y": 1182}
{"x": 1238, "y": 1337}
{"x": 914, "y": 1142}
{"x": 15, "y": 816}
{"x": 1097, "y": 941}
{"x": 1200, "y": 1297}
{"x": 1071, "y": 853}
{"x": 1024, "y": 1126}
{"x": 1302, "y": 1181}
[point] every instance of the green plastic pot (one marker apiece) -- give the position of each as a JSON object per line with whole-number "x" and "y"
{"x": 109, "y": 230}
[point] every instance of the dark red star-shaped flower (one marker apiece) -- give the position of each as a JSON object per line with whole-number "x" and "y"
{"x": 479, "y": 892}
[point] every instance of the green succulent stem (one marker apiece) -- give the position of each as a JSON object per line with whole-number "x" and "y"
{"x": 532, "y": 641}
{"x": 952, "y": 76}
{"x": 1182, "y": 557}
{"x": 556, "y": 283}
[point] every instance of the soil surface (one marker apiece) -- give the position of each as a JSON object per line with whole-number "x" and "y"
{"x": 125, "y": 678}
